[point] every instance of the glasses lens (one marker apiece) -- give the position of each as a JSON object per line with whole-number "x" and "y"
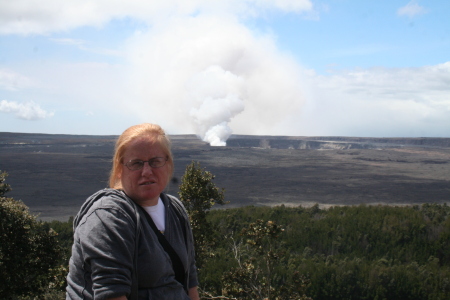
{"x": 157, "y": 162}
{"x": 135, "y": 164}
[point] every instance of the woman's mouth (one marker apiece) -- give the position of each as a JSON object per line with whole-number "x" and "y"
{"x": 147, "y": 183}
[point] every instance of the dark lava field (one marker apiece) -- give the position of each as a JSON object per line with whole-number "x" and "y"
{"x": 54, "y": 174}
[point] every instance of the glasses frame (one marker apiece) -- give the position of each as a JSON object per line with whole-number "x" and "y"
{"x": 150, "y": 162}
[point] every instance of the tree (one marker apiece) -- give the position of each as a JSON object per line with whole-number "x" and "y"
{"x": 258, "y": 253}
{"x": 29, "y": 253}
{"x": 198, "y": 194}
{"x": 4, "y": 187}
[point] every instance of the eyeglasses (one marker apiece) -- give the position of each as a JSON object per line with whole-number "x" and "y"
{"x": 137, "y": 164}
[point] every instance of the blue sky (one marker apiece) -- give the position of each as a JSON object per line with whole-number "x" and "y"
{"x": 285, "y": 67}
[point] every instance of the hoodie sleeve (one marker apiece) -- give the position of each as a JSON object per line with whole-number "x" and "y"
{"x": 106, "y": 237}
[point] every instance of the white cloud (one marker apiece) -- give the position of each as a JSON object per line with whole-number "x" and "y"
{"x": 380, "y": 102}
{"x": 411, "y": 9}
{"x": 13, "y": 81}
{"x": 25, "y": 111}
{"x": 29, "y": 16}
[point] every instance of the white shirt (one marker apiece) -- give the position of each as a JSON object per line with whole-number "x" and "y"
{"x": 157, "y": 213}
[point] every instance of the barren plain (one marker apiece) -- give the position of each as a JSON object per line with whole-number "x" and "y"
{"x": 54, "y": 174}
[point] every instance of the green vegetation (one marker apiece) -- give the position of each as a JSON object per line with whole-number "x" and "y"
{"x": 349, "y": 252}
{"x": 29, "y": 251}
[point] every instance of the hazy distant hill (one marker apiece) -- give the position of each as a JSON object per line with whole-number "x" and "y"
{"x": 336, "y": 142}
{"x": 53, "y": 174}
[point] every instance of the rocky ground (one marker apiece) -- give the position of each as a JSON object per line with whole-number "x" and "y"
{"x": 53, "y": 174}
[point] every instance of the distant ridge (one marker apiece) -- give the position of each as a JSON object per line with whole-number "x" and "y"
{"x": 236, "y": 140}
{"x": 44, "y": 138}
{"x": 332, "y": 142}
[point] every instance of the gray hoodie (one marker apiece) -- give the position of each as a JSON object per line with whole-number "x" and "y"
{"x": 105, "y": 231}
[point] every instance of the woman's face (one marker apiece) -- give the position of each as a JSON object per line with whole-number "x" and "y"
{"x": 145, "y": 185}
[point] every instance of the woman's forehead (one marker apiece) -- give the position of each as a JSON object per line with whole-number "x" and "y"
{"x": 144, "y": 144}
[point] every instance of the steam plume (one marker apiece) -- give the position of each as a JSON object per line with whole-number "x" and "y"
{"x": 216, "y": 98}
{"x": 211, "y": 75}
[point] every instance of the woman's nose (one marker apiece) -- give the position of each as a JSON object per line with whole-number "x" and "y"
{"x": 146, "y": 169}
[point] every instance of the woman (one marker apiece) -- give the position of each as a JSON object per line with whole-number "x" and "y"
{"x": 118, "y": 253}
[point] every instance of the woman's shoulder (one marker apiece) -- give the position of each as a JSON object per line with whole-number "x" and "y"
{"x": 106, "y": 199}
{"x": 174, "y": 204}
{"x": 172, "y": 201}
